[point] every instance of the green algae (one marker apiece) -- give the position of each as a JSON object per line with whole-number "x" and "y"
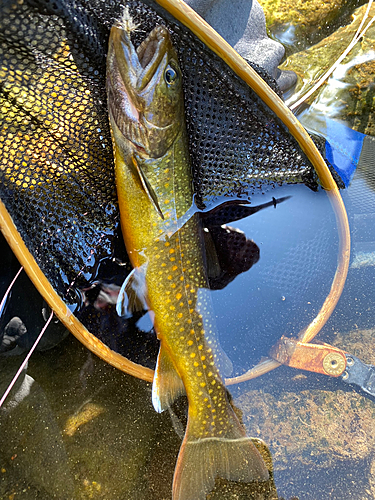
{"x": 308, "y": 14}
{"x": 301, "y": 24}
{"x": 349, "y": 94}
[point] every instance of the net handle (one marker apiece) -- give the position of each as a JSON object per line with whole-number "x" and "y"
{"x": 307, "y": 334}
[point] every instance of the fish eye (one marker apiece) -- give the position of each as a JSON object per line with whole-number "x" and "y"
{"x": 171, "y": 75}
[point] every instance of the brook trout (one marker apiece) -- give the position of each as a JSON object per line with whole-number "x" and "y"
{"x": 164, "y": 241}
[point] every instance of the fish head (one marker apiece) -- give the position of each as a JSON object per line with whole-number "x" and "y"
{"x": 145, "y": 97}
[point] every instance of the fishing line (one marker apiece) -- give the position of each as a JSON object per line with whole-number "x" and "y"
{"x": 24, "y": 363}
{"x": 2, "y": 303}
{"x": 357, "y": 36}
{"x": 59, "y": 307}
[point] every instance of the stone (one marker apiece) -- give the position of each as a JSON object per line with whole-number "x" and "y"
{"x": 349, "y": 94}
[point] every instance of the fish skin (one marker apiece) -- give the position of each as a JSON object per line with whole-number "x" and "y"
{"x": 149, "y": 138}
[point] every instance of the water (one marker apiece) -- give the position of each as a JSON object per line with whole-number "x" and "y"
{"x": 74, "y": 427}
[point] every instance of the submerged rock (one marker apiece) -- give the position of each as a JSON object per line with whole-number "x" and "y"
{"x": 83, "y": 430}
{"x": 314, "y": 426}
{"x": 307, "y": 13}
{"x": 303, "y": 20}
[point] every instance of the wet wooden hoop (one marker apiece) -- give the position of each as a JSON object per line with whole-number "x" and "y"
{"x": 217, "y": 44}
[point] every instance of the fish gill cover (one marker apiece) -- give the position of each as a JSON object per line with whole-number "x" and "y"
{"x": 56, "y": 162}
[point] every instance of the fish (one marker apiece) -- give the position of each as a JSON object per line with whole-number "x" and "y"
{"x": 163, "y": 238}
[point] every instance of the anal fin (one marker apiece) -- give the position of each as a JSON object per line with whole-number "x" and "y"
{"x": 167, "y": 385}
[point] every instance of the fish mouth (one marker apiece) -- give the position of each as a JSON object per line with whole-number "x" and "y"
{"x": 132, "y": 75}
{"x": 150, "y": 54}
{"x": 138, "y": 66}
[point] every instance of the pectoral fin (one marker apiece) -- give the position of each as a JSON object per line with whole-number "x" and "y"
{"x": 147, "y": 187}
{"x": 132, "y": 295}
{"x": 167, "y": 384}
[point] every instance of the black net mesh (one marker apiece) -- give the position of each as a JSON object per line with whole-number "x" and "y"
{"x": 56, "y": 159}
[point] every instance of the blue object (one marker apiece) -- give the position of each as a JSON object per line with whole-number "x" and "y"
{"x": 343, "y": 148}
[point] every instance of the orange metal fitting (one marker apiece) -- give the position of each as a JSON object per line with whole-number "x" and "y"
{"x": 318, "y": 358}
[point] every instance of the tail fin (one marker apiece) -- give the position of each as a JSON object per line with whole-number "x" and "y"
{"x": 232, "y": 456}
